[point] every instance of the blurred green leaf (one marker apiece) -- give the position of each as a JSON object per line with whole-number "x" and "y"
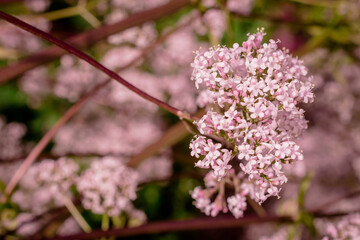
{"x": 10, "y": 96}
{"x": 304, "y": 186}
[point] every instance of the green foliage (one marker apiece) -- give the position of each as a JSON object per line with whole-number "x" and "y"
{"x": 170, "y": 21}
{"x": 305, "y": 217}
{"x": 11, "y": 97}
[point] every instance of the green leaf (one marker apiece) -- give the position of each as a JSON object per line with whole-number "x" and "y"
{"x": 304, "y": 186}
{"x": 308, "y": 220}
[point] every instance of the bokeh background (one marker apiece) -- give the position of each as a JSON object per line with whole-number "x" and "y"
{"x": 155, "y": 56}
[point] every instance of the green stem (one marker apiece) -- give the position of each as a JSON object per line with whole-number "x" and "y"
{"x": 62, "y": 13}
{"x": 76, "y": 214}
{"x": 229, "y": 29}
{"x": 84, "y": 13}
{"x": 118, "y": 221}
{"x": 105, "y": 222}
{"x": 67, "y": 12}
{"x": 213, "y": 40}
{"x": 91, "y": 19}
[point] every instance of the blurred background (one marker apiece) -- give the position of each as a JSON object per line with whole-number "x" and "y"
{"x": 151, "y": 44}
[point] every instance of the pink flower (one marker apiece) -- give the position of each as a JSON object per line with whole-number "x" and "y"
{"x": 255, "y": 89}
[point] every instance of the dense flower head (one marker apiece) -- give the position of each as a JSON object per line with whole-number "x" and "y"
{"x": 58, "y": 175}
{"x": 46, "y": 183}
{"x": 253, "y": 92}
{"x": 108, "y": 186}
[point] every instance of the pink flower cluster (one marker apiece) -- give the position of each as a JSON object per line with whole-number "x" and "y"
{"x": 235, "y": 203}
{"x": 108, "y": 186}
{"x": 10, "y": 139}
{"x": 45, "y": 183}
{"x": 254, "y": 91}
{"x": 58, "y": 175}
{"x": 346, "y": 228}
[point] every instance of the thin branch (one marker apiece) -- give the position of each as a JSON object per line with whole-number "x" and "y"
{"x": 190, "y": 225}
{"x": 143, "y": 52}
{"x": 56, "y": 156}
{"x": 86, "y": 39}
{"x": 88, "y": 16}
{"x": 173, "y": 226}
{"x": 93, "y": 62}
{"x": 61, "y": 13}
{"x": 72, "y": 111}
{"x": 48, "y": 136}
{"x": 76, "y": 214}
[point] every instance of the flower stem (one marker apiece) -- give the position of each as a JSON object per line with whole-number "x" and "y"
{"x": 62, "y": 13}
{"x": 76, "y": 214}
{"x": 76, "y": 107}
{"x": 229, "y": 29}
{"x": 67, "y": 12}
{"x": 89, "y": 38}
{"x": 73, "y": 50}
{"x": 105, "y": 223}
{"x": 118, "y": 221}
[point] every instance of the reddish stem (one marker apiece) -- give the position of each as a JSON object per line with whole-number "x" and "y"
{"x": 48, "y": 136}
{"x": 189, "y": 225}
{"x": 172, "y": 226}
{"x": 83, "y": 40}
{"x": 72, "y": 111}
{"x": 93, "y": 62}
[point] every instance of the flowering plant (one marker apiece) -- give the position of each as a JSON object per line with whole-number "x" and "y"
{"x": 253, "y": 92}
{"x": 92, "y": 136}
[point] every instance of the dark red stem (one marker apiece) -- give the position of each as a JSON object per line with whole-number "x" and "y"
{"x": 86, "y": 39}
{"x": 91, "y": 61}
